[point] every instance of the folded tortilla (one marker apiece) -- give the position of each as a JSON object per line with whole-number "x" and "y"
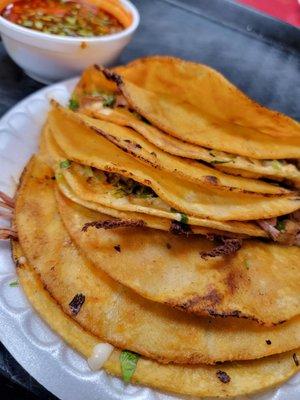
{"x": 198, "y": 105}
{"x": 261, "y": 281}
{"x": 88, "y": 95}
{"x": 114, "y": 313}
{"x": 88, "y": 148}
{"x": 245, "y": 377}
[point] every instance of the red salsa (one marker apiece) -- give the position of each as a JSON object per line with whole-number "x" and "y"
{"x": 62, "y": 17}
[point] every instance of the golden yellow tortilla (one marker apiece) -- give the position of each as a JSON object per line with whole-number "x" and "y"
{"x": 114, "y": 313}
{"x": 190, "y": 170}
{"x": 198, "y": 105}
{"x": 150, "y": 221}
{"x": 201, "y": 380}
{"x": 80, "y": 184}
{"x": 93, "y": 81}
{"x": 261, "y": 281}
{"x": 88, "y": 148}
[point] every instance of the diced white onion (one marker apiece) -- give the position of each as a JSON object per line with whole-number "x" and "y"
{"x": 101, "y": 353}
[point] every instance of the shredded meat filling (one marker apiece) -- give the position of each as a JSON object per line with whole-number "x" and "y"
{"x": 114, "y": 224}
{"x": 7, "y": 201}
{"x": 229, "y": 246}
{"x": 7, "y": 233}
{"x": 284, "y": 230}
{"x": 179, "y": 228}
{"x": 8, "y": 204}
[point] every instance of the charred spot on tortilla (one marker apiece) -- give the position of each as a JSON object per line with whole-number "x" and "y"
{"x": 110, "y": 75}
{"x": 137, "y": 145}
{"x": 296, "y": 361}
{"x": 269, "y": 342}
{"x": 180, "y": 228}
{"x": 76, "y": 304}
{"x": 118, "y": 248}
{"x": 168, "y": 246}
{"x": 213, "y": 180}
{"x": 229, "y": 246}
{"x": 114, "y": 224}
{"x": 211, "y": 299}
{"x": 223, "y": 376}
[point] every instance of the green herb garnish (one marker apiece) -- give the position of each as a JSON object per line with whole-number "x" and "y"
{"x": 183, "y": 217}
{"x": 280, "y": 226}
{"x": 247, "y": 264}
{"x": 276, "y": 165}
{"x": 27, "y": 23}
{"x": 128, "y": 362}
{"x": 73, "y": 104}
{"x": 127, "y": 186}
{"x": 109, "y": 100}
{"x": 63, "y": 17}
{"x": 14, "y": 283}
{"x": 65, "y": 164}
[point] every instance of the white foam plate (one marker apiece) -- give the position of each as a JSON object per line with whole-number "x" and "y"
{"x": 30, "y": 341}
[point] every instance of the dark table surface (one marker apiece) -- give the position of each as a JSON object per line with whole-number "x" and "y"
{"x": 257, "y": 53}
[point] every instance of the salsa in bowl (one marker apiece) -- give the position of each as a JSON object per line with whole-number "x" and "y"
{"x": 53, "y": 40}
{"x": 65, "y": 17}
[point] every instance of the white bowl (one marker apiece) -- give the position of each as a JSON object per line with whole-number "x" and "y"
{"x": 50, "y": 58}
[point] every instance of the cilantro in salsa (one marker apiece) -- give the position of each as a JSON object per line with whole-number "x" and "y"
{"x": 62, "y": 17}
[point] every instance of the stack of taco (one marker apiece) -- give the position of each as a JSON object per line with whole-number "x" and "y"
{"x": 160, "y": 218}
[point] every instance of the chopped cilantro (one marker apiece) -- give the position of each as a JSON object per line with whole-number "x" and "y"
{"x": 128, "y": 362}
{"x": 247, "y": 264}
{"x": 65, "y": 164}
{"x": 127, "y": 186}
{"x": 280, "y": 226}
{"x": 73, "y": 104}
{"x": 109, "y": 100}
{"x": 276, "y": 165}
{"x": 14, "y": 283}
{"x": 183, "y": 217}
